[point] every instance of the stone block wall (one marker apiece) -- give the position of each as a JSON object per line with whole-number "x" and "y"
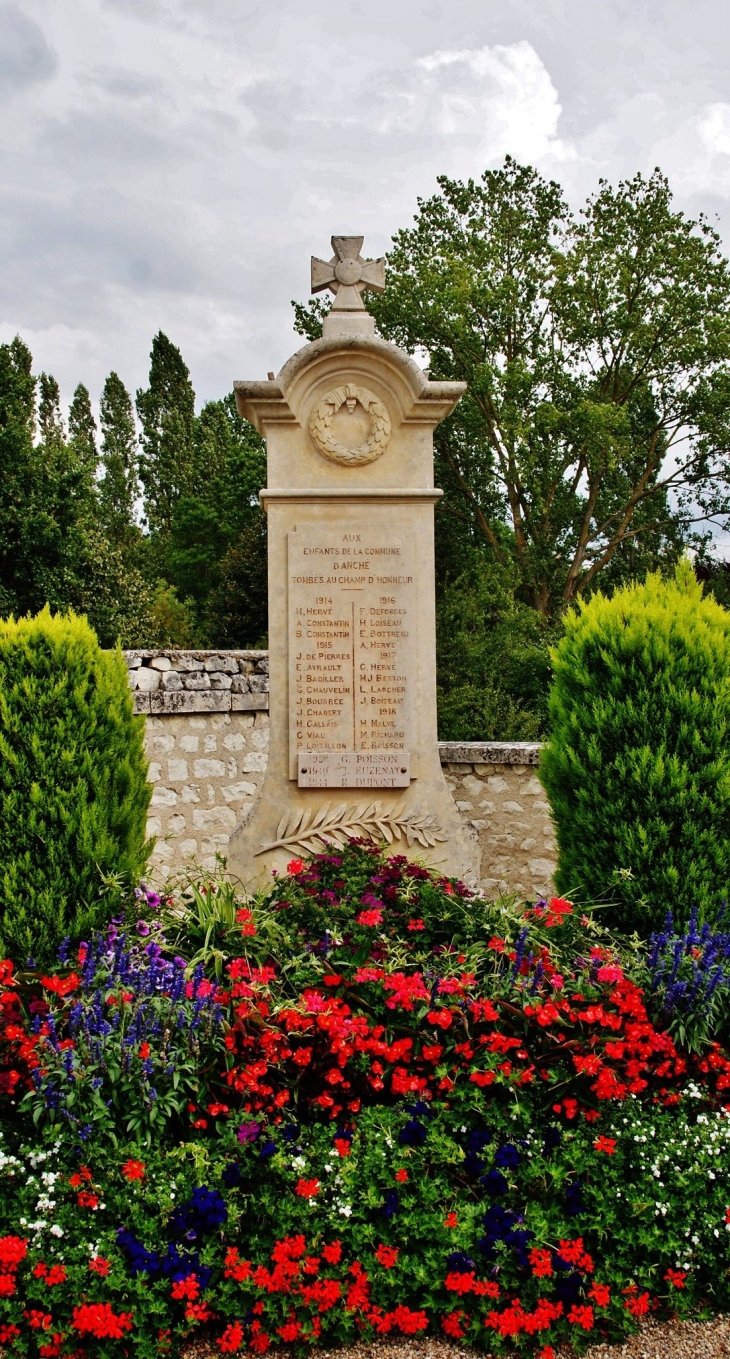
{"x": 207, "y": 732}
{"x": 495, "y": 787}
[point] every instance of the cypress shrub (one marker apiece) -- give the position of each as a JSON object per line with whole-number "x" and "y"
{"x": 73, "y": 787}
{"x": 637, "y": 767}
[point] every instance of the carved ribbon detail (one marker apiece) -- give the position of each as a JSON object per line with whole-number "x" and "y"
{"x": 320, "y": 426}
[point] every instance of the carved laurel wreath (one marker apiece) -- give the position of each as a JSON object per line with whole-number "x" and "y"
{"x": 312, "y": 831}
{"x": 320, "y": 426}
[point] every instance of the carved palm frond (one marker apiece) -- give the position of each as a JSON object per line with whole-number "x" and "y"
{"x": 312, "y": 831}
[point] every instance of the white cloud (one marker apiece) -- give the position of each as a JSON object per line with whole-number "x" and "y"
{"x": 499, "y": 99}
{"x": 173, "y": 163}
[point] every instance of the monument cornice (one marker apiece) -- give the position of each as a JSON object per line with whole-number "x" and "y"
{"x": 357, "y": 496}
{"x": 422, "y": 401}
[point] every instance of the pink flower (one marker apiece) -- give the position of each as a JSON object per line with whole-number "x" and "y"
{"x": 610, "y": 973}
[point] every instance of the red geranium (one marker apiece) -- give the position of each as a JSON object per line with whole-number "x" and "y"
{"x": 133, "y": 1170}
{"x": 386, "y": 1255}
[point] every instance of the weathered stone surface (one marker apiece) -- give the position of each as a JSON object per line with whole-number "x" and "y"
{"x": 222, "y": 661}
{"x": 489, "y": 752}
{"x": 254, "y": 762}
{"x": 146, "y": 679}
{"x": 171, "y": 681}
{"x": 181, "y": 661}
{"x": 214, "y": 818}
{"x": 209, "y": 769}
{"x": 249, "y": 703}
{"x": 160, "y": 663}
{"x": 197, "y": 680}
{"x": 238, "y": 792}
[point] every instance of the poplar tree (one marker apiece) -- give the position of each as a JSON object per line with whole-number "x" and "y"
{"x": 82, "y": 432}
{"x": 119, "y": 487}
{"x": 166, "y": 411}
{"x": 17, "y": 428}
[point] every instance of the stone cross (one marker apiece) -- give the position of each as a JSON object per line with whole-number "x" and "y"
{"x": 347, "y": 274}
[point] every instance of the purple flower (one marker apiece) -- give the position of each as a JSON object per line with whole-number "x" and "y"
{"x": 248, "y": 1132}
{"x": 142, "y": 928}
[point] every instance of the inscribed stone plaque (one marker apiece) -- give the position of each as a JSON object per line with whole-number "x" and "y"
{"x": 353, "y": 769}
{"x": 352, "y": 641}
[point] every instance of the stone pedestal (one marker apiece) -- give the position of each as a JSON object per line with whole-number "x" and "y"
{"x": 350, "y": 497}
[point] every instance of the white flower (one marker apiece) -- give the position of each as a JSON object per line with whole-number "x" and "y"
{"x": 56, "y": 1230}
{"x": 345, "y": 1210}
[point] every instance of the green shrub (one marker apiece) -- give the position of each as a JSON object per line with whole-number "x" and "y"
{"x": 637, "y": 768}
{"x": 73, "y": 788}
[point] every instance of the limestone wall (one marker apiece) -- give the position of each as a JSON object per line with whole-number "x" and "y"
{"x": 208, "y": 747}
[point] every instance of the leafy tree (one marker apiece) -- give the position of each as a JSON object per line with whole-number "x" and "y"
{"x": 217, "y": 553}
{"x": 238, "y": 607}
{"x": 167, "y": 413}
{"x": 594, "y": 435}
{"x": 118, "y": 488}
{"x": 637, "y": 767}
{"x": 73, "y": 787}
{"x": 494, "y": 664}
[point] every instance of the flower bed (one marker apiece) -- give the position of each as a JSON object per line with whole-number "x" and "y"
{"x": 397, "y": 1109}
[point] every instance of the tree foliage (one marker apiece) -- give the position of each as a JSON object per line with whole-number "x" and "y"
{"x": 119, "y": 487}
{"x": 594, "y": 435}
{"x": 73, "y": 785}
{"x": 637, "y": 767}
{"x": 166, "y": 409}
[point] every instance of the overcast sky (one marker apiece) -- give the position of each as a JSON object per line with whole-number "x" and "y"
{"x": 173, "y": 163}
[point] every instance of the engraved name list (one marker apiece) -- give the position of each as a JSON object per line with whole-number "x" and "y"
{"x": 351, "y": 649}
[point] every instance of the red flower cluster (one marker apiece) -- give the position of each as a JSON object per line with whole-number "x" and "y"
{"x": 55, "y": 1274}
{"x": 300, "y": 1277}
{"x": 13, "y": 1250}
{"x": 98, "y": 1320}
{"x": 336, "y": 1054}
